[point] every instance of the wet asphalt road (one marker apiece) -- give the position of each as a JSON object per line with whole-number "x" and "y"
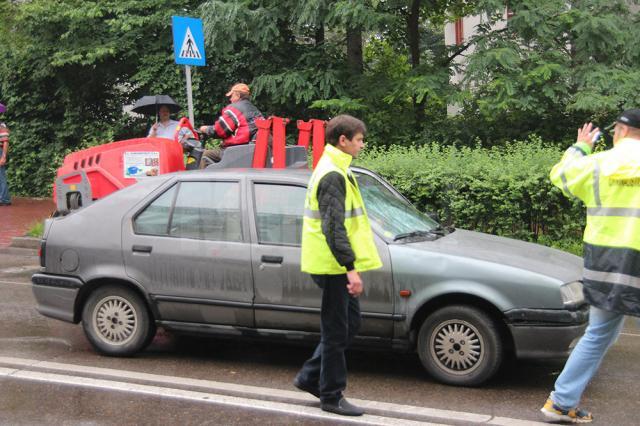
{"x": 517, "y": 392}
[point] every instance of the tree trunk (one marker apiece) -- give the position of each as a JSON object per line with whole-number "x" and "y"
{"x": 319, "y": 35}
{"x": 354, "y": 50}
{"x": 413, "y": 32}
{"x": 413, "y": 38}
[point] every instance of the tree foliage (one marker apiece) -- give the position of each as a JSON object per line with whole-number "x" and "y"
{"x": 556, "y": 62}
{"x": 67, "y": 68}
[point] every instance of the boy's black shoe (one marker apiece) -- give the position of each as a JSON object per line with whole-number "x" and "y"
{"x": 305, "y": 387}
{"x": 342, "y": 407}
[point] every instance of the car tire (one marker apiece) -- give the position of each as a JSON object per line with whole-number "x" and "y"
{"x": 116, "y": 321}
{"x": 460, "y": 345}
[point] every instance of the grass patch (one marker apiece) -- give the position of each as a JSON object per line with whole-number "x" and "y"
{"x": 36, "y": 230}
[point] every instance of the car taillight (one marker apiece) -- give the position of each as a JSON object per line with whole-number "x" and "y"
{"x": 42, "y": 252}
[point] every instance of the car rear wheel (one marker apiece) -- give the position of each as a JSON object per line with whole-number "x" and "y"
{"x": 116, "y": 321}
{"x": 460, "y": 345}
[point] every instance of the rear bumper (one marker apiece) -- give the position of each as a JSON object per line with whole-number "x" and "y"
{"x": 56, "y": 295}
{"x": 546, "y": 334}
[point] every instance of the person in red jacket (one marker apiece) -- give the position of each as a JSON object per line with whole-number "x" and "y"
{"x": 236, "y": 124}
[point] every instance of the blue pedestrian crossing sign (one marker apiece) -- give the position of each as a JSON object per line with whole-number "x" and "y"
{"x": 188, "y": 40}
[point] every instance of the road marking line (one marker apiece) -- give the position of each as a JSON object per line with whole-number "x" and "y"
{"x": 19, "y": 269}
{"x": 244, "y": 390}
{"x": 630, "y": 334}
{"x": 286, "y": 396}
{"x": 203, "y": 397}
{"x": 15, "y": 283}
{"x": 37, "y": 339}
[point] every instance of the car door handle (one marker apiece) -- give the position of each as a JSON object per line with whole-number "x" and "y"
{"x": 271, "y": 259}
{"x": 141, "y": 249}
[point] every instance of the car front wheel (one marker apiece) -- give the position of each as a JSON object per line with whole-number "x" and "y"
{"x": 460, "y": 345}
{"x": 116, "y": 321}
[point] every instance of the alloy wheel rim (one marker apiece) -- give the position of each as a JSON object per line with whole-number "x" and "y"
{"x": 457, "y": 347}
{"x": 115, "y": 320}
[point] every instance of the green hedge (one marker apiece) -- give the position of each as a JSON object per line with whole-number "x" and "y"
{"x": 501, "y": 190}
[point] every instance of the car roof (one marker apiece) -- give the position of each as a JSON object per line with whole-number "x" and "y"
{"x": 301, "y": 175}
{"x": 278, "y": 175}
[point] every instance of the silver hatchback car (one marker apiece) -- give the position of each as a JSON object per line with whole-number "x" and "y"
{"x": 218, "y": 252}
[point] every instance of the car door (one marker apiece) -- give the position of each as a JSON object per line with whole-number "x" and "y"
{"x": 286, "y": 298}
{"x": 188, "y": 248}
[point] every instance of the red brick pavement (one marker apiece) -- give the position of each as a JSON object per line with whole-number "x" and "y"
{"x": 22, "y": 214}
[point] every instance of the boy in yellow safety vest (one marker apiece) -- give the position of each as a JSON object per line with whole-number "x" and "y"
{"x": 337, "y": 244}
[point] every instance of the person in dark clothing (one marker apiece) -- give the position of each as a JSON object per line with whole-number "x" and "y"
{"x": 236, "y": 124}
{"x": 337, "y": 244}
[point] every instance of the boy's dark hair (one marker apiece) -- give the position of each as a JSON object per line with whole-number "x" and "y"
{"x": 343, "y": 125}
{"x": 244, "y": 96}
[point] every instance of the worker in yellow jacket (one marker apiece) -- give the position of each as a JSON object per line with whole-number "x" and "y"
{"x": 337, "y": 245}
{"x": 609, "y": 185}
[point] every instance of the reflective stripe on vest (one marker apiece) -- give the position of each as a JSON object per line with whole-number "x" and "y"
{"x": 596, "y": 184}
{"x": 315, "y": 214}
{"x": 612, "y": 278}
{"x": 613, "y": 211}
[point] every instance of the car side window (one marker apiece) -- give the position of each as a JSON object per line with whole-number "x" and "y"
{"x": 154, "y": 219}
{"x": 208, "y": 211}
{"x": 279, "y": 210}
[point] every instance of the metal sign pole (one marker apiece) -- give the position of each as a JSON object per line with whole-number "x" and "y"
{"x": 187, "y": 70}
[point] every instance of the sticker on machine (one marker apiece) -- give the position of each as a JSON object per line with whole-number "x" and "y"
{"x": 141, "y": 164}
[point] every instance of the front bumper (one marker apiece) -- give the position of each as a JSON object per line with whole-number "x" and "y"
{"x": 56, "y": 295}
{"x": 545, "y": 333}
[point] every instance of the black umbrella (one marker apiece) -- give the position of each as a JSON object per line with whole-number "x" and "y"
{"x": 148, "y": 105}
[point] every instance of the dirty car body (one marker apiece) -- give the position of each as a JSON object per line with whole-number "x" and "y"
{"x": 218, "y": 252}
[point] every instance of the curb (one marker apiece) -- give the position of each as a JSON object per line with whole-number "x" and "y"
{"x": 21, "y": 251}
{"x": 25, "y": 243}
{"x": 303, "y": 404}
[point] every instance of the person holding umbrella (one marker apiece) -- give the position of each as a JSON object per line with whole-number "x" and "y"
{"x": 166, "y": 127}
{"x": 5, "y": 199}
{"x": 161, "y": 106}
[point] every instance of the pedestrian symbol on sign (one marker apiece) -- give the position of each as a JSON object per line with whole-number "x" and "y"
{"x": 189, "y": 48}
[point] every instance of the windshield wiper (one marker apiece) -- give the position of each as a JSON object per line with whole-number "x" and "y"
{"x": 411, "y": 234}
{"x": 439, "y": 230}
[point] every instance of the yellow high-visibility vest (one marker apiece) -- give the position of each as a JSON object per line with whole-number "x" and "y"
{"x": 316, "y": 257}
{"x": 609, "y": 185}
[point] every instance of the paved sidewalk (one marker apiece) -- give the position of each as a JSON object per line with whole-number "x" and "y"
{"x": 21, "y": 215}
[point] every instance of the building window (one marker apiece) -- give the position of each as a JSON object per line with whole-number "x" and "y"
{"x": 459, "y": 31}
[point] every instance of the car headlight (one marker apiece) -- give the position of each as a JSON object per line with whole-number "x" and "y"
{"x": 572, "y": 294}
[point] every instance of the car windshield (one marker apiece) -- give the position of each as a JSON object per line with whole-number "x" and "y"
{"x": 392, "y": 216}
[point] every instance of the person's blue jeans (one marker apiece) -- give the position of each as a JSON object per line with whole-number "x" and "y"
{"x": 326, "y": 370}
{"x": 585, "y": 359}
{"x": 4, "y": 186}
